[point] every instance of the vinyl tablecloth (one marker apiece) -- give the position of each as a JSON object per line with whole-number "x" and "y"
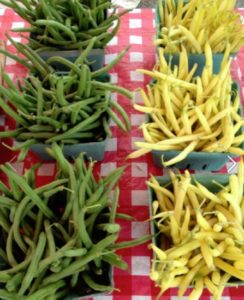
{"x": 138, "y": 30}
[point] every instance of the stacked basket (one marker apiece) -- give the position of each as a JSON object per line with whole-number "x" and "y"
{"x": 58, "y": 241}
{"x": 195, "y": 123}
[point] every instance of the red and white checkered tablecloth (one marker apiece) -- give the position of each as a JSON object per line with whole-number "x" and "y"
{"x": 138, "y": 30}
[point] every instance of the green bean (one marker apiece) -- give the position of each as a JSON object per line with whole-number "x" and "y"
{"x": 82, "y": 83}
{"x": 24, "y": 263}
{"x": 115, "y": 260}
{"x": 74, "y": 116}
{"x": 132, "y": 243}
{"x": 63, "y": 232}
{"x": 9, "y": 82}
{"x": 94, "y": 198}
{"x": 5, "y": 277}
{"x": 85, "y": 238}
{"x": 12, "y": 213}
{"x": 97, "y": 31}
{"x": 82, "y": 135}
{"x": 9, "y": 248}
{"x": 66, "y": 262}
{"x": 120, "y": 216}
{"x": 78, "y": 127}
{"x": 74, "y": 279}
{"x": 12, "y": 114}
{"x": 113, "y": 88}
{"x": 38, "y": 225}
{"x": 44, "y": 263}
{"x": 48, "y": 120}
{"x": 32, "y": 56}
{"x": 43, "y": 49}
{"x": 16, "y": 148}
{"x": 46, "y": 39}
{"x": 77, "y": 265}
{"x": 83, "y": 36}
{"x": 111, "y": 34}
{"x": 7, "y": 202}
{"x": 109, "y": 227}
{"x": 76, "y": 12}
{"x": 58, "y": 26}
{"x": 95, "y": 286}
{"x": 114, "y": 17}
{"x": 84, "y": 184}
{"x": 61, "y": 294}
{"x": 15, "y": 281}
{"x": 30, "y": 89}
{"x": 23, "y": 153}
{"x": 16, "y": 223}
{"x": 17, "y": 59}
{"x": 31, "y": 271}
{"x": 85, "y": 52}
{"x": 75, "y": 252}
{"x": 122, "y": 113}
{"x": 101, "y": 7}
{"x": 55, "y": 267}
{"x": 50, "y": 238}
{"x": 106, "y": 127}
{"x": 5, "y": 295}
{"x": 50, "y": 185}
{"x": 83, "y": 114}
{"x": 37, "y": 281}
{"x": 42, "y": 293}
{"x": 35, "y": 135}
{"x": 4, "y": 222}
{"x": 52, "y": 192}
{"x": 60, "y": 92}
{"x": 114, "y": 205}
{"x": 113, "y": 177}
{"x": 38, "y": 128}
{"x": 7, "y": 169}
{"x": 39, "y": 102}
{"x": 35, "y": 58}
{"x": 5, "y": 190}
{"x": 56, "y": 13}
{"x": 70, "y": 142}
{"x": 65, "y": 62}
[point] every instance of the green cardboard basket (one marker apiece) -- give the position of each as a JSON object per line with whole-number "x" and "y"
{"x": 207, "y": 161}
{"x": 96, "y": 58}
{"x": 92, "y": 149}
{"x": 193, "y": 58}
{"x": 204, "y": 179}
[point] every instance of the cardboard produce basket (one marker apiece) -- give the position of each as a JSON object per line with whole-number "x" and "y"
{"x": 193, "y": 58}
{"x": 196, "y": 160}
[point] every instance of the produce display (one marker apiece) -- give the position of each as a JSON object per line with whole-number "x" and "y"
{"x": 59, "y": 238}
{"x": 66, "y": 25}
{"x": 68, "y": 108}
{"x": 190, "y": 114}
{"x": 200, "y": 220}
{"x": 194, "y": 23}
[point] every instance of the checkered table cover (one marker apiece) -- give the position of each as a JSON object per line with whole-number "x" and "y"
{"x": 138, "y": 30}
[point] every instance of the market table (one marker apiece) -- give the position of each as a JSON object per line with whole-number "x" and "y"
{"x": 138, "y": 30}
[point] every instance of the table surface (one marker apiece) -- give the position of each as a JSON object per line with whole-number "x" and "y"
{"x": 138, "y": 30}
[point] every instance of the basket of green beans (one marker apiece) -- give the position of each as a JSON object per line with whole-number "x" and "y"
{"x": 65, "y": 27}
{"x": 72, "y": 108}
{"x": 59, "y": 239}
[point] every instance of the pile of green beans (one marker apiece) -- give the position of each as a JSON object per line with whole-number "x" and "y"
{"x": 59, "y": 238}
{"x": 69, "y": 108}
{"x": 66, "y": 24}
